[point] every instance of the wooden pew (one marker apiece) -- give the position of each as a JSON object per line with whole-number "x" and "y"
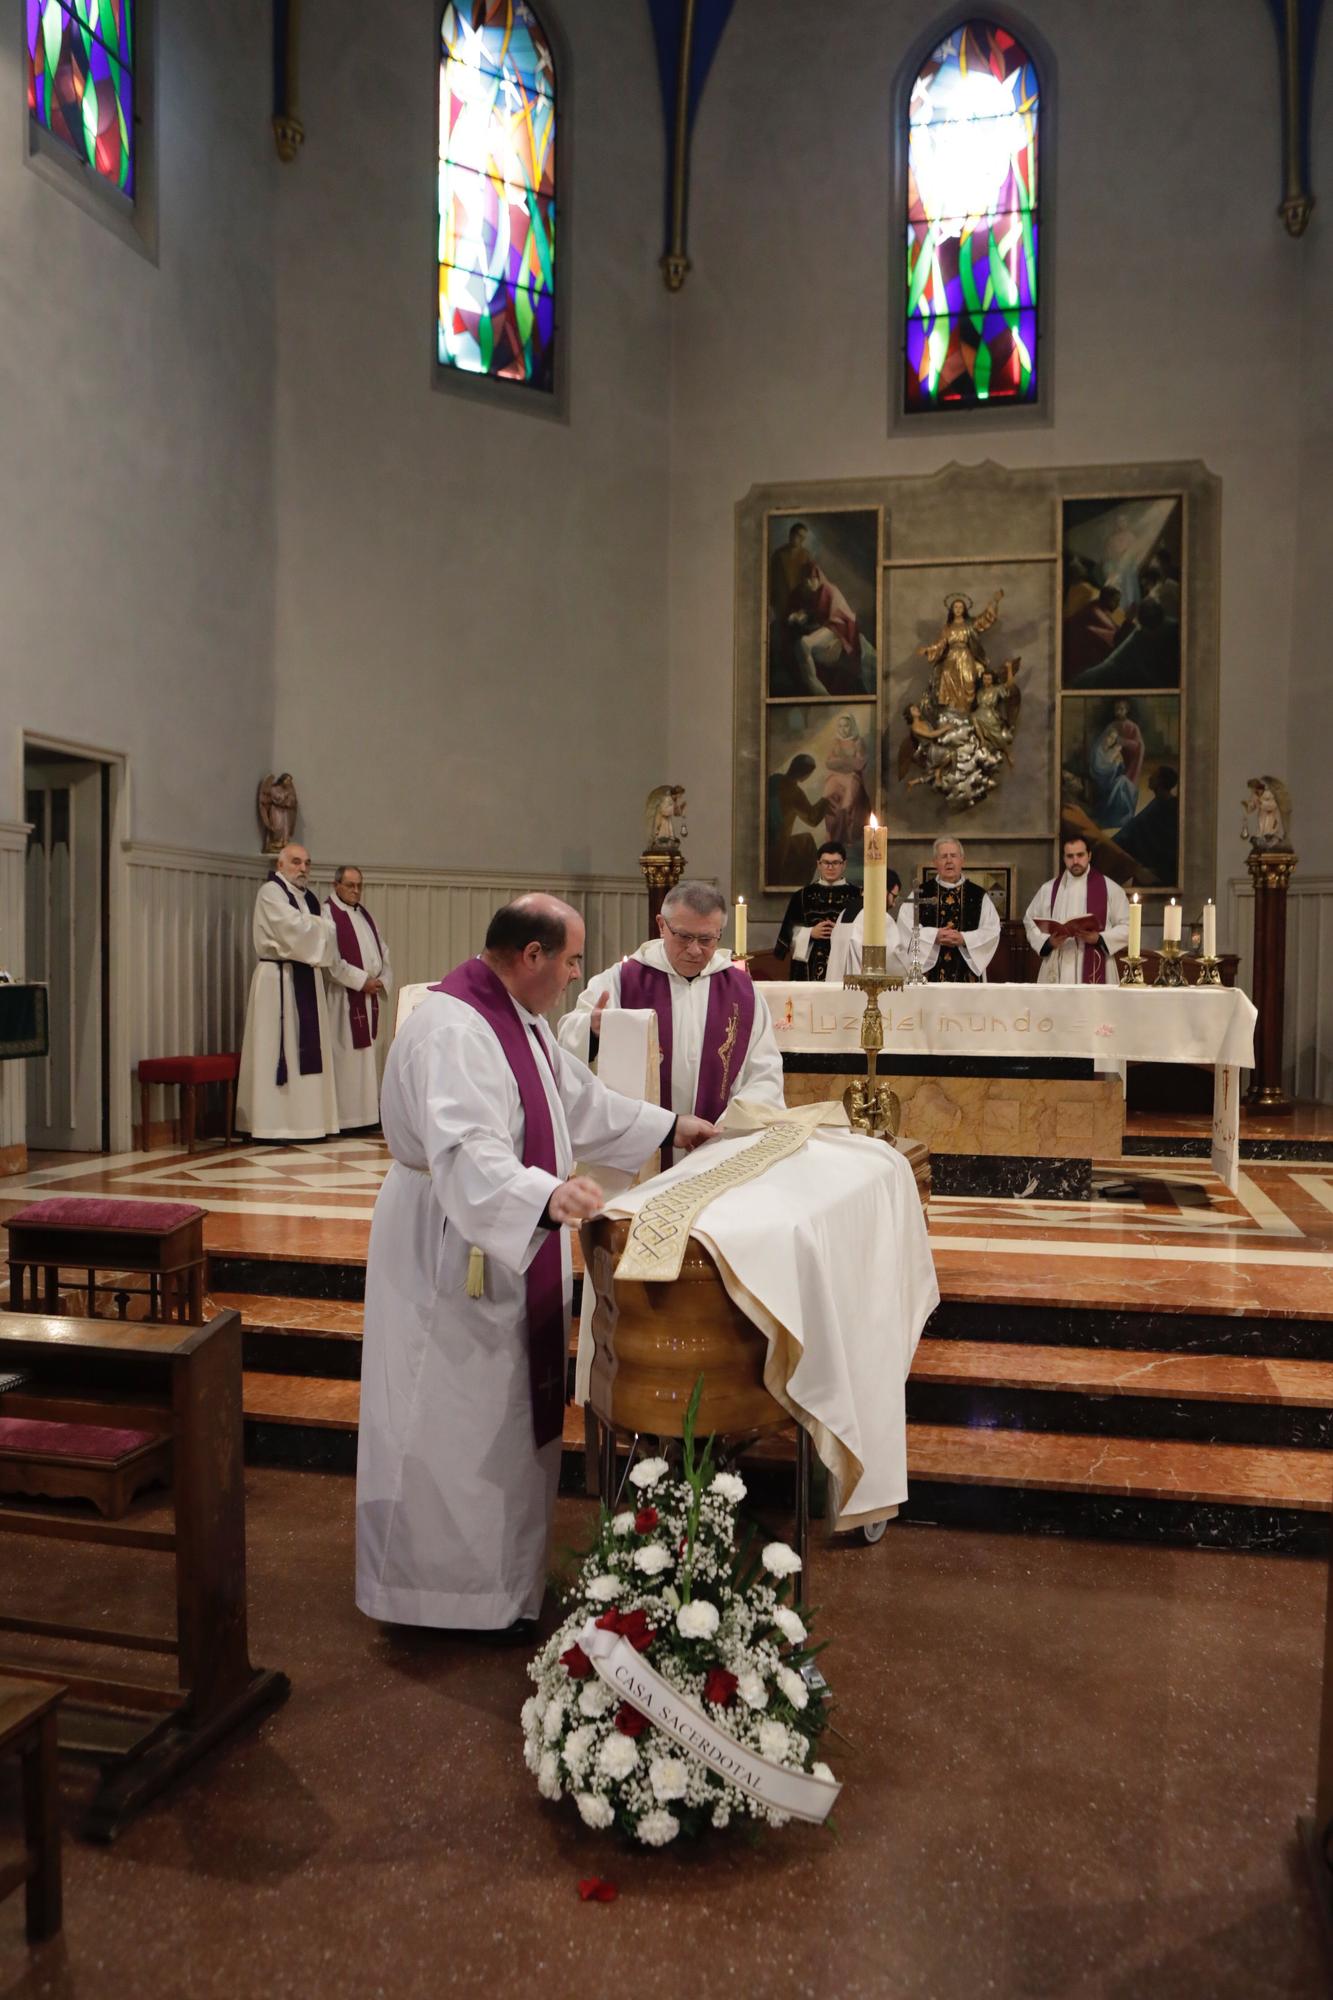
{"x": 182, "y": 1383}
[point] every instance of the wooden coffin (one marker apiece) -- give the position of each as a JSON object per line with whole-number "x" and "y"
{"x": 654, "y": 1341}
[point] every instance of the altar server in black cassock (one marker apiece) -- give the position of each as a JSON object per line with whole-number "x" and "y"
{"x": 814, "y": 910}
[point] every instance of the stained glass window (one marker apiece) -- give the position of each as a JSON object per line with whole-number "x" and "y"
{"x": 81, "y": 81}
{"x": 971, "y": 335}
{"x": 497, "y": 193}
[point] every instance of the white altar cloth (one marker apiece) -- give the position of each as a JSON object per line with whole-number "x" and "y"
{"x": 1190, "y": 1024}
{"x": 827, "y": 1254}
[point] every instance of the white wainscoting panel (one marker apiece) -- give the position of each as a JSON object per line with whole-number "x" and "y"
{"x": 1307, "y": 1029}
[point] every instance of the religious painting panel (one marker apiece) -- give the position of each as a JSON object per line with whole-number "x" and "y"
{"x": 1122, "y": 592}
{"x": 1120, "y": 785}
{"x": 969, "y": 694}
{"x": 822, "y": 622}
{"x": 819, "y": 783}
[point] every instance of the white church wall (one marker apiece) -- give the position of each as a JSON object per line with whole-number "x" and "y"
{"x": 472, "y": 600}
{"x": 135, "y": 480}
{"x": 1175, "y": 291}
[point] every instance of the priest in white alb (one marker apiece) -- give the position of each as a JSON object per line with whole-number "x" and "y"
{"x": 1078, "y": 922}
{"x": 286, "y": 1087}
{"x": 358, "y": 976}
{"x": 468, "y": 1280}
{"x": 959, "y": 925}
{"x": 714, "y": 1028}
{"x": 847, "y": 944}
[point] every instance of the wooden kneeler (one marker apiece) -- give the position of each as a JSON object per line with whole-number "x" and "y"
{"x": 28, "y": 1728}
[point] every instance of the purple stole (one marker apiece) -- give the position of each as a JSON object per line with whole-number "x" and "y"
{"x": 1094, "y": 961}
{"x": 365, "y": 1024}
{"x": 311, "y": 1053}
{"x": 727, "y": 1030}
{"x": 477, "y": 986}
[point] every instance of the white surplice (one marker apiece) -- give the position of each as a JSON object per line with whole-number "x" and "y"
{"x": 305, "y": 1107}
{"x": 847, "y": 942}
{"x": 356, "y": 1071}
{"x": 1063, "y": 963}
{"x": 453, "y": 1498}
{"x": 758, "y": 1076}
{"x": 978, "y": 946}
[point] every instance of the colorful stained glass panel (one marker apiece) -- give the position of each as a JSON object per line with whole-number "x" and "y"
{"x": 971, "y": 234}
{"x": 81, "y": 81}
{"x": 497, "y": 193}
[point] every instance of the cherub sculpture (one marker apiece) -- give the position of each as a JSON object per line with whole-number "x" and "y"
{"x": 1268, "y": 804}
{"x": 664, "y": 806}
{"x": 276, "y": 805}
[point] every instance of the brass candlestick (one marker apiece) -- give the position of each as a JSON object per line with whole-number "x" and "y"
{"x": 1170, "y": 971}
{"x": 871, "y": 1103}
{"x": 1210, "y": 971}
{"x": 1133, "y": 972}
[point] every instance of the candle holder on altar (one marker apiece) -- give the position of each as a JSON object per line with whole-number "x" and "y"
{"x": 870, "y": 1102}
{"x": 1170, "y": 971}
{"x": 915, "y": 976}
{"x": 1133, "y": 972}
{"x": 1210, "y": 971}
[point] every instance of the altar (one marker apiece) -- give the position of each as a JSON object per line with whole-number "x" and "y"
{"x": 1010, "y": 1072}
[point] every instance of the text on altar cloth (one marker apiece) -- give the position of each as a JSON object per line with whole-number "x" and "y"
{"x": 800, "y": 1017}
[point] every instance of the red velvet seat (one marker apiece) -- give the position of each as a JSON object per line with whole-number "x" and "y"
{"x": 95, "y": 1211}
{"x": 164, "y": 1240}
{"x": 192, "y": 1073}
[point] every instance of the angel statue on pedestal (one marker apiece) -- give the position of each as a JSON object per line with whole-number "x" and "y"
{"x": 276, "y": 805}
{"x": 1268, "y": 804}
{"x": 664, "y": 806}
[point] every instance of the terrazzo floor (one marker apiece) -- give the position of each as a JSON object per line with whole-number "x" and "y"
{"x": 1071, "y": 1769}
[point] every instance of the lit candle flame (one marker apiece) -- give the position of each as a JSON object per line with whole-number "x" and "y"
{"x": 874, "y": 822}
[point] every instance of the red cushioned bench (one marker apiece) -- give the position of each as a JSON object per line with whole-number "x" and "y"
{"x": 192, "y": 1073}
{"x": 97, "y": 1462}
{"x": 162, "y": 1240}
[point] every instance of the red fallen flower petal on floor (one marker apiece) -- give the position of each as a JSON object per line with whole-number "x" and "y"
{"x": 646, "y": 1520}
{"x": 595, "y": 1890}
{"x": 629, "y": 1721}
{"x": 576, "y": 1663}
{"x": 720, "y": 1687}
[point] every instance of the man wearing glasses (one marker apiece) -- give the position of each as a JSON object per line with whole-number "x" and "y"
{"x": 713, "y": 1026}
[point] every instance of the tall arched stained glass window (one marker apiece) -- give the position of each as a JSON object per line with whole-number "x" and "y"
{"x": 497, "y": 193}
{"x": 971, "y": 334}
{"x": 81, "y": 81}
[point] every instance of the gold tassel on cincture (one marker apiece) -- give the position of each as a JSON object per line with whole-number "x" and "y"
{"x": 476, "y": 1273}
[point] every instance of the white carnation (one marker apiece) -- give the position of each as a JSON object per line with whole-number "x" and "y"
{"x": 595, "y": 1810}
{"x": 652, "y": 1560}
{"x": 596, "y": 1699}
{"x": 795, "y": 1689}
{"x": 623, "y": 1524}
{"x": 668, "y": 1777}
{"x": 618, "y": 1756}
{"x": 790, "y": 1625}
{"x": 774, "y": 1741}
{"x": 647, "y": 1473}
{"x": 548, "y": 1776}
{"x": 729, "y": 1487}
{"x": 577, "y": 1745}
{"x": 823, "y": 1771}
{"x": 752, "y": 1690}
{"x": 554, "y": 1721}
{"x": 604, "y": 1588}
{"x": 657, "y": 1828}
{"x": 530, "y": 1714}
{"x": 698, "y": 1620}
{"x": 532, "y": 1753}
{"x": 780, "y": 1559}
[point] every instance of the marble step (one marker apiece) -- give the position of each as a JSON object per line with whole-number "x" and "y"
{"x": 1202, "y": 1398}
{"x": 282, "y": 1335}
{"x": 1302, "y": 1332}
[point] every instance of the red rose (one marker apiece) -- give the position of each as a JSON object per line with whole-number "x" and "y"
{"x": 629, "y": 1721}
{"x": 577, "y": 1663}
{"x": 634, "y": 1626}
{"x": 645, "y": 1520}
{"x": 595, "y": 1890}
{"x": 609, "y": 1622}
{"x": 720, "y": 1687}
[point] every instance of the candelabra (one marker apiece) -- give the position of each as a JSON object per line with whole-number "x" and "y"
{"x": 1170, "y": 971}
{"x": 915, "y": 975}
{"x": 1210, "y": 972}
{"x": 871, "y": 1104}
{"x": 1133, "y": 972}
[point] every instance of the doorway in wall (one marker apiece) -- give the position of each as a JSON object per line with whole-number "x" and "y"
{"x": 66, "y": 919}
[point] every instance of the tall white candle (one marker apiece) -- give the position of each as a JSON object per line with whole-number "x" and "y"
{"x": 1171, "y": 923}
{"x": 876, "y": 880}
{"x": 1135, "y": 927}
{"x": 742, "y": 927}
{"x": 1210, "y": 929}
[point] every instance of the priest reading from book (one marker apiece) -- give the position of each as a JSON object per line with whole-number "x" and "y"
{"x": 285, "y": 1089}
{"x": 807, "y": 928}
{"x": 468, "y": 1280}
{"x": 1077, "y": 923}
{"x": 713, "y": 1025}
{"x": 848, "y": 940}
{"x": 960, "y": 926}
{"x": 358, "y": 976}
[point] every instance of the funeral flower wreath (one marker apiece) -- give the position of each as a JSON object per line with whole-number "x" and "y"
{"x": 736, "y": 1707}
